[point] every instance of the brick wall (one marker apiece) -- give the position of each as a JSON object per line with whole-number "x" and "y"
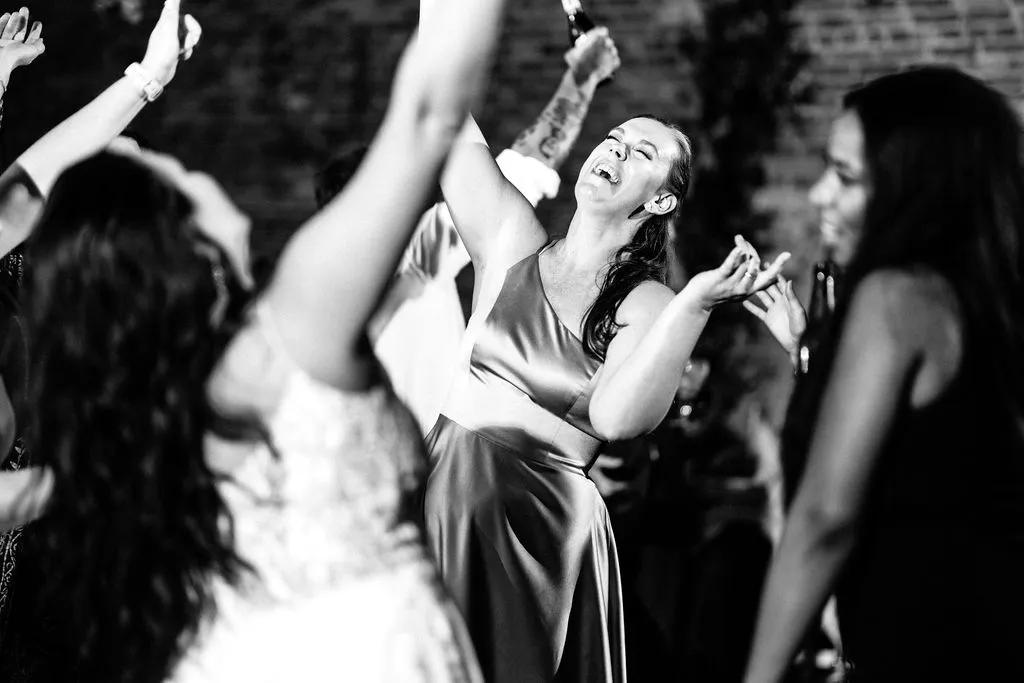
{"x": 278, "y": 84}
{"x": 855, "y": 40}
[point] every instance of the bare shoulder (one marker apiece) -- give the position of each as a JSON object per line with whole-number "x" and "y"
{"x": 646, "y": 301}
{"x": 918, "y": 306}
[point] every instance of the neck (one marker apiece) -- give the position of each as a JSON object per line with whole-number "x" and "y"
{"x": 593, "y": 239}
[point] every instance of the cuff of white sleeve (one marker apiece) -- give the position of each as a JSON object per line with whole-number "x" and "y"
{"x": 535, "y": 179}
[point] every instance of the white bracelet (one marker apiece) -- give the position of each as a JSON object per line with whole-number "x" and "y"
{"x": 148, "y": 86}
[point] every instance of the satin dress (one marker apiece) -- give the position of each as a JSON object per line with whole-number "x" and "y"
{"x": 519, "y": 531}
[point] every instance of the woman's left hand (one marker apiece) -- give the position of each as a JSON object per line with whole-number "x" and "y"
{"x": 739, "y": 276}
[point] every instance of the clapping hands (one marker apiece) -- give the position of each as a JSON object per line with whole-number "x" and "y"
{"x": 19, "y": 44}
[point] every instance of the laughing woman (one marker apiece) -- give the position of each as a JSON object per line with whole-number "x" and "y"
{"x": 571, "y": 343}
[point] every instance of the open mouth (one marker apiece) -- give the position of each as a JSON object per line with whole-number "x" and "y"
{"x": 603, "y": 170}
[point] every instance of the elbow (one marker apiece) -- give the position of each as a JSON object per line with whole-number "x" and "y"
{"x": 616, "y": 424}
{"x": 830, "y": 525}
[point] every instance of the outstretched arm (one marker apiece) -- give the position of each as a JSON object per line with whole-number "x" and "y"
{"x": 87, "y": 131}
{"x": 334, "y": 270}
{"x": 645, "y": 360}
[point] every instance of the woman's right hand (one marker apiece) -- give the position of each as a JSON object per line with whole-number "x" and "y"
{"x": 166, "y": 45}
{"x": 782, "y": 314}
{"x": 19, "y": 46}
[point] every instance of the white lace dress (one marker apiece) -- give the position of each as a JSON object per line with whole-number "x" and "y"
{"x": 344, "y": 589}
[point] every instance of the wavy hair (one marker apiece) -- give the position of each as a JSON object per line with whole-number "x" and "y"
{"x": 943, "y": 153}
{"x": 119, "y": 305}
{"x": 644, "y": 258}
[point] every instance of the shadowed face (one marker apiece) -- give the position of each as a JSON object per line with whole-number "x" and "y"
{"x": 841, "y": 194}
{"x": 629, "y": 169}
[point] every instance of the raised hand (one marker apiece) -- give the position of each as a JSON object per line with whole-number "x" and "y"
{"x": 782, "y": 314}
{"x": 594, "y": 57}
{"x": 19, "y": 44}
{"x": 166, "y": 46}
{"x": 739, "y": 276}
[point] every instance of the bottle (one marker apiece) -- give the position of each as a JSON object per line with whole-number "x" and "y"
{"x": 579, "y": 22}
{"x": 819, "y": 314}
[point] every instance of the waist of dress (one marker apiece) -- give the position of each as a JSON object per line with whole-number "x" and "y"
{"x": 501, "y": 413}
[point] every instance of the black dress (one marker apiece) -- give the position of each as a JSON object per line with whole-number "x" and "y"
{"x": 934, "y": 589}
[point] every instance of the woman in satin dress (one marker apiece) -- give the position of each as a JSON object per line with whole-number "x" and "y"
{"x": 230, "y": 490}
{"x": 571, "y": 342}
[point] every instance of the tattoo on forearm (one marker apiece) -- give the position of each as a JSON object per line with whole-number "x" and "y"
{"x": 561, "y": 122}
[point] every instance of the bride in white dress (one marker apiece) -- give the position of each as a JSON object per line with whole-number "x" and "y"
{"x": 185, "y": 554}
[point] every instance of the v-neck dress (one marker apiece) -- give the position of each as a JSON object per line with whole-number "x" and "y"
{"x": 519, "y": 531}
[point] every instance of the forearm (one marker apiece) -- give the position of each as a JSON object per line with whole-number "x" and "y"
{"x": 24, "y": 495}
{"x": 84, "y": 133}
{"x": 555, "y": 131}
{"x": 636, "y": 398}
{"x": 799, "y": 583}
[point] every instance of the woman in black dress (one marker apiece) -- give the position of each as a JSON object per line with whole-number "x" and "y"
{"x": 911, "y": 506}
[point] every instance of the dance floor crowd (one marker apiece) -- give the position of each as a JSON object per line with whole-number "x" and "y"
{"x": 328, "y": 471}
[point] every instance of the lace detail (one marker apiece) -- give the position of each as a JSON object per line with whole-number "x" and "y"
{"x": 326, "y": 503}
{"x": 343, "y": 588}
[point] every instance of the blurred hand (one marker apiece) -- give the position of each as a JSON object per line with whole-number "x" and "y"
{"x": 594, "y": 58}
{"x": 782, "y": 314}
{"x": 738, "y": 277}
{"x": 166, "y": 45}
{"x": 19, "y": 45}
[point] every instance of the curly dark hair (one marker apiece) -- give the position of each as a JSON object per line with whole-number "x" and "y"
{"x": 119, "y": 308}
{"x": 943, "y": 152}
{"x": 644, "y": 258}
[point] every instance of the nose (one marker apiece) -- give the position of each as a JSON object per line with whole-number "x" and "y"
{"x": 820, "y": 192}
{"x": 619, "y": 150}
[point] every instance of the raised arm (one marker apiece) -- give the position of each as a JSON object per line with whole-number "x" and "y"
{"x": 88, "y": 130}
{"x": 874, "y": 363}
{"x": 645, "y": 360}
{"x": 334, "y": 270}
{"x": 531, "y": 164}
{"x": 553, "y": 134}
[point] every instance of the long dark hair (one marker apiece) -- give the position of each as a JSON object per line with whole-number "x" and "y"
{"x": 943, "y": 154}
{"x": 121, "y": 342}
{"x": 644, "y": 258}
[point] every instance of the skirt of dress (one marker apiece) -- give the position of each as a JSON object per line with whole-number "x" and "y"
{"x": 524, "y": 544}
{"x": 389, "y": 627}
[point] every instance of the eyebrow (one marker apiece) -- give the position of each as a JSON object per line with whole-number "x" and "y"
{"x": 838, "y": 163}
{"x": 648, "y": 143}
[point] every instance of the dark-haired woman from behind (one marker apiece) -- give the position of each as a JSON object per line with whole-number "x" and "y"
{"x": 234, "y": 485}
{"x": 572, "y": 342}
{"x": 911, "y": 505}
